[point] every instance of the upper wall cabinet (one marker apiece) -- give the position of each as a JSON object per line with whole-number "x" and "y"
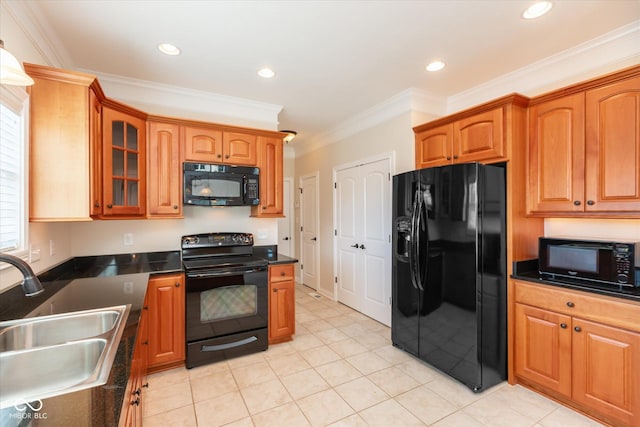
{"x": 65, "y": 138}
{"x": 270, "y": 163}
{"x": 584, "y": 149}
{"x": 213, "y": 145}
{"x": 123, "y": 163}
{"x": 478, "y": 134}
{"x": 164, "y": 170}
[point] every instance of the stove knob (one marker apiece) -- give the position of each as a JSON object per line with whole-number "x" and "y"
{"x": 234, "y": 237}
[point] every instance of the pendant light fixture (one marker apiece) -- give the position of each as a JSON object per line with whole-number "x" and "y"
{"x": 11, "y": 72}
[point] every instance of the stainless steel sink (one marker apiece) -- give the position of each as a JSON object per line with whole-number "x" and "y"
{"x": 51, "y": 355}
{"x": 52, "y": 330}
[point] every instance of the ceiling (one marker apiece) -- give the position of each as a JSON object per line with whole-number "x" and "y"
{"x": 333, "y": 59}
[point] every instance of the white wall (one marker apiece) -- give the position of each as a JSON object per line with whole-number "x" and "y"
{"x": 394, "y": 135}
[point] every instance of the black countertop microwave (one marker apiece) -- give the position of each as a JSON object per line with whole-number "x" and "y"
{"x": 220, "y": 185}
{"x": 608, "y": 262}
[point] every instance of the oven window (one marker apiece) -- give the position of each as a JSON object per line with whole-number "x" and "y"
{"x": 228, "y": 302}
{"x": 571, "y": 258}
{"x": 210, "y": 187}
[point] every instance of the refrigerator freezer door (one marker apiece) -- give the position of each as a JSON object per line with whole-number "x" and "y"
{"x": 449, "y": 318}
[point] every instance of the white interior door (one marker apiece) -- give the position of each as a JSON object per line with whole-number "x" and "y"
{"x": 285, "y": 225}
{"x": 363, "y": 242}
{"x": 348, "y": 231}
{"x": 309, "y": 251}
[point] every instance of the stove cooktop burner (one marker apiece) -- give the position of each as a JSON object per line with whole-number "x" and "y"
{"x": 219, "y": 250}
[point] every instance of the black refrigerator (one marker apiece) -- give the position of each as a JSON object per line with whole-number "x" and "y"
{"x": 449, "y": 270}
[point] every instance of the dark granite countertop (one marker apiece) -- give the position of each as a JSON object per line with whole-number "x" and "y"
{"x": 270, "y": 253}
{"x": 84, "y": 283}
{"x": 528, "y": 271}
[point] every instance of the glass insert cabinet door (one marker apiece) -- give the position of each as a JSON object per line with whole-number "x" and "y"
{"x": 124, "y": 163}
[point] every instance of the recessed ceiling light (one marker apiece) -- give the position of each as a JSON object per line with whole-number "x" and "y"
{"x": 537, "y": 9}
{"x": 435, "y": 65}
{"x": 169, "y": 49}
{"x": 267, "y": 73}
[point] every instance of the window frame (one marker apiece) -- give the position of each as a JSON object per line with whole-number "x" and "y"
{"x": 16, "y": 99}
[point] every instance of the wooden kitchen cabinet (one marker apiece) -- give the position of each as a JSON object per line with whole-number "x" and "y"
{"x": 480, "y": 134}
{"x": 211, "y": 145}
{"x": 281, "y": 303}
{"x": 132, "y": 406}
{"x": 270, "y": 163}
{"x": 65, "y": 137}
{"x": 164, "y": 171}
{"x": 583, "y": 149}
{"x": 580, "y": 348}
{"x": 166, "y": 302}
{"x": 124, "y": 163}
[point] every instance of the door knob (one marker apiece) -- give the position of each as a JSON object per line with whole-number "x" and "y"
{"x": 361, "y": 246}
{"x": 314, "y": 238}
{"x": 355, "y": 246}
{"x": 286, "y": 238}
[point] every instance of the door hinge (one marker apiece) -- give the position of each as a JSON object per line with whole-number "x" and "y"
{"x": 389, "y": 238}
{"x": 335, "y": 232}
{"x": 389, "y": 300}
{"x": 336, "y": 279}
{"x": 389, "y": 175}
{"x": 300, "y": 228}
{"x": 300, "y": 188}
{"x": 335, "y": 185}
{"x": 301, "y": 266}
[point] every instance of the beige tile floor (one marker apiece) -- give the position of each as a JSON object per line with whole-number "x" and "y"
{"x": 340, "y": 370}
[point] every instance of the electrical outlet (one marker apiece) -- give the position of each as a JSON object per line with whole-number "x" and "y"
{"x": 127, "y": 239}
{"x": 34, "y": 253}
{"x": 52, "y": 247}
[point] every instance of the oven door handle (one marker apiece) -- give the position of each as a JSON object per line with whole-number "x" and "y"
{"x": 229, "y": 345}
{"x": 223, "y": 273}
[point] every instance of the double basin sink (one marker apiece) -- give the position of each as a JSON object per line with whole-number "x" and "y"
{"x": 47, "y": 356}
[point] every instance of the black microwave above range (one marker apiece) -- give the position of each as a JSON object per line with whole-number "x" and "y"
{"x": 604, "y": 262}
{"x": 220, "y": 185}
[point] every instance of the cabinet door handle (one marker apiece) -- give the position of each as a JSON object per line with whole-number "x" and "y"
{"x": 577, "y": 329}
{"x": 355, "y": 246}
{"x": 275, "y": 290}
{"x": 177, "y": 284}
{"x": 448, "y": 157}
{"x": 226, "y": 157}
{"x": 137, "y": 392}
{"x": 96, "y": 204}
{"x": 175, "y": 206}
{"x": 591, "y": 202}
{"x": 455, "y": 157}
{"x": 563, "y": 325}
{"x": 136, "y": 402}
{"x": 109, "y": 206}
{"x": 282, "y": 273}
{"x": 570, "y": 304}
{"x": 576, "y": 202}
{"x": 361, "y": 246}
{"x": 219, "y": 156}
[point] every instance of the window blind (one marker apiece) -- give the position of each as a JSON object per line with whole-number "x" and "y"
{"x": 12, "y": 172}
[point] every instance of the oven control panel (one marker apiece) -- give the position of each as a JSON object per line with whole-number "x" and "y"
{"x": 211, "y": 240}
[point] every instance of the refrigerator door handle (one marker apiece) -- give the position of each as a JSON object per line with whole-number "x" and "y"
{"x": 416, "y": 236}
{"x": 412, "y": 248}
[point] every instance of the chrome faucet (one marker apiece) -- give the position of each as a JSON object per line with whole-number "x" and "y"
{"x": 30, "y": 284}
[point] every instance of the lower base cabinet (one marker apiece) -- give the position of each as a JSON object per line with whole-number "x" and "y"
{"x": 166, "y": 298}
{"x": 132, "y": 410}
{"x": 581, "y": 349}
{"x": 281, "y": 303}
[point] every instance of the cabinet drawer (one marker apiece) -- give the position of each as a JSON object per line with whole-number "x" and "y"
{"x": 608, "y": 310}
{"x": 279, "y": 273}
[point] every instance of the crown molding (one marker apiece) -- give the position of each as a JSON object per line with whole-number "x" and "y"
{"x": 609, "y": 52}
{"x": 42, "y": 37}
{"x": 409, "y": 100}
{"x": 162, "y": 96}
